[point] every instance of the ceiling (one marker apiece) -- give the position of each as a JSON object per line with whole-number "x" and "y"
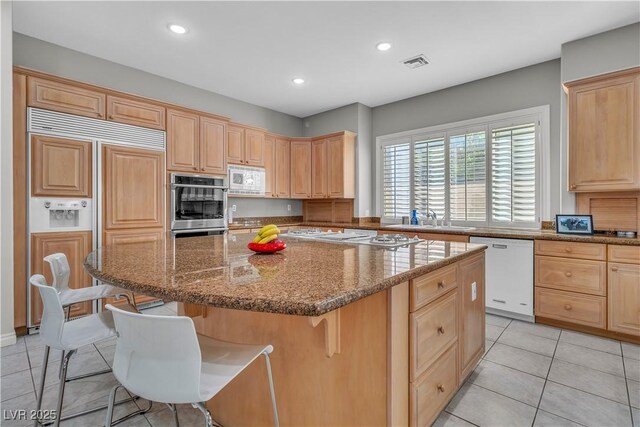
{"x": 251, "y": 50}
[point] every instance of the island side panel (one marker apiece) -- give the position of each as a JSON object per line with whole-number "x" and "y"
{"x": 349, "y": 388}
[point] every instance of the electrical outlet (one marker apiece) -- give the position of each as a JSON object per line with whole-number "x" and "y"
{"x": 233, "y": 208}
{"x": 474, "y": 291}
{"x": 289, "y": 208}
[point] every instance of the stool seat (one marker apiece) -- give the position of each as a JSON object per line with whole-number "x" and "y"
{"x": 86, "y": 330}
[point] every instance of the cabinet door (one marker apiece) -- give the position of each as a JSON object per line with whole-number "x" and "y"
{"x": 60, "y": 167}
{"x": 133, "y": 235}
{"x": 65, "y": 98}
{"x": 235, "y": 145}
{"x": 624, "y": 298}
{"x": 182, "y": 141}
{"x": 132, "y": 112}
{"x": 269, "y": 166}
{"x": 471, "y": 297}
{"x": 76, "y": 246}
{"x": 213, "y": 146}
{"x": 319, "y": 172}
{"x": 133, "y": 187}
{"x": 283, "y": 168}
{"x": 335, "y": 167}
{"x": 254, "y": 147}
{"x": 300, "y": 169}
{"x": 604, "y": 141}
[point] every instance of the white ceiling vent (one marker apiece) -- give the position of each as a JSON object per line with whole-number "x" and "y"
{"x": 416, "y": 61}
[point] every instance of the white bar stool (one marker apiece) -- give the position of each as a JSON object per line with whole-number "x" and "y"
{"x": 68, "y": 336}
{"x": 162, "y": 359}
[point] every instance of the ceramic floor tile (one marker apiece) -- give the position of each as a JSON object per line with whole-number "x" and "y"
{"x": 487, "y": 346}
{"x": 108, "y": 353}
{"x": 591, "y": 341}
{"x": 447, "y": 420}
{"x": 486, "y": 408}
{"x": 16, "y": 412}
{"x": 33, "y": 341}
{"x": 492, "y": 332}
{"x": 494, "y": 320}
{"x": 12, "y": 363}
{"x": 17, "y": 384}
{"x": 78, "y": 394}
{"x": 187, "y": 416}
{"x": 36, "y": 355}
{"x": 594, "y": 359}
{"x": 589, "y": 380}
{"x": 509, "y": 382}
{"x": 634, "y": 393}
{"x": 635, "y": 413}
{"x": 632, "y": 369}
{"x": 522, "y": 360}
{"x": 98, "y": 418}
{"x": 534, "y": 329}
{"x": 529, "y": 342}
{"x": 631, "y": 351}
{"x": 545, "y": 419}
{"x": 18, "y": 347}
{"x": 106, "y": 343}
{"x": 582, "y": 407}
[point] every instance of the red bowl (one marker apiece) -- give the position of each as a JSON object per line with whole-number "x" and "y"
{"x": 267, "y": 248}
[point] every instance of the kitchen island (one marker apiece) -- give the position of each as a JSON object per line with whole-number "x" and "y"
{"x": 362, "y": 335}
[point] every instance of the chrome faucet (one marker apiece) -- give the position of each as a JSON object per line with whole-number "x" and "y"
{"x": 431, "y": 214}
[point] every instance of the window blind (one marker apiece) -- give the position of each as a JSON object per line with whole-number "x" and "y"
{"x": 396, "y": 180}
{"x": 429, "y": 178}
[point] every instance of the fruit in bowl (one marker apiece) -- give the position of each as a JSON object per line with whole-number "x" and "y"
{"x": 266, "y": 241}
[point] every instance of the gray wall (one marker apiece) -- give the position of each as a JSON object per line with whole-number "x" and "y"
{"x": 343, "y": 118}
{"x": 522, "y": 88}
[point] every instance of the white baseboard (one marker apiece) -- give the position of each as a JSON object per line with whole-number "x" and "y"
{"x": 7, "y": 339}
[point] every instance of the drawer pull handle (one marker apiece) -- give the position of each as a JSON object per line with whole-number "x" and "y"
{"x": 614, "y": 268}
{"x": 501, "y": 301}
{"x": 567, "y": 307}
{"x": 440, "y": 388}
{"x": 568, "y": 250}
{"x": 497, "y": 246}
{"x": 441, "y": 284}
{"x": 440, "y": 330}
{"x": 568, "y": 274}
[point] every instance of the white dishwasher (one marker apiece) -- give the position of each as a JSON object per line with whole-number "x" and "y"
{"x": 508, "y": 277}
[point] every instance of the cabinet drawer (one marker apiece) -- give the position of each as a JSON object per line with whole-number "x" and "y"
{"x": 571, "y": 307}
{"x": 432, "y": 391}
{"x": 136, "y": 113}
{"x": 575, "y": 275}
{"x": 626, "y": 254}
{"x": 433, "y": 329}
{"x": 595, "y": 251}
{"x": 65, "y": 98}
{"x": 430, "y": 286}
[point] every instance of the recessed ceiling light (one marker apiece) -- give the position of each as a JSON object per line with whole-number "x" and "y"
{"x": 178, "y": 29}
{"x": 298, "y": 80}
{"x": 382, "y": 46}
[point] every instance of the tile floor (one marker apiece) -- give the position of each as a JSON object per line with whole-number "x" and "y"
{"x": 530, "y": 375}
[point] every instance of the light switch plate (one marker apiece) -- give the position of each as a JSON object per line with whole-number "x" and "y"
{"x": 233, "y": 208}
{"x": 289, "y": 208}
{"x": 474, "y": 291}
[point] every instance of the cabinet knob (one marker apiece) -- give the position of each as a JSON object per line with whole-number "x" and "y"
{"x": 441, "y": 284}
{"x": 567, "y": 250}
{"x": 440, "y": 388}
{"x": 568, "y": 274}
{"x": 573, "y": 186}
{"x": 567, "y": 307}
{"x": 614, "y": 268}
{"x": 441, "y": 330}
{"x": 110, "y": 116}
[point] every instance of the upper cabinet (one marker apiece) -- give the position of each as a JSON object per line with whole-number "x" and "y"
{"x": 604, "y": 132}
{"x": 60, "y": 167}
{"x": 319, "y": 169}
{"x": 282, "y": 155}
{"x": 51, "y": 95}
{"x": 213, "y": 144}
{"x": 137, "y": 113}
{"x": 245, "y": 146}
{"x": 269, "y": 166}
{"x": 333, "y": 171}
{"x": 300, "y": 169}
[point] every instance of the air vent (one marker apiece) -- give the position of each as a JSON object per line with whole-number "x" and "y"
{"x": 416, "y": 61}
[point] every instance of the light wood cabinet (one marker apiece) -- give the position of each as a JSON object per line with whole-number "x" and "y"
{"x": 604, "y": 132}
{"x": 245, "y": 146}
{"x": 57, "y": 96}
{"x": 624, "y": 298}
{"x": 213, "y": 140}
{"x": 183, "y": 141}
{"x": 431, "y": 286}
{"x": 269, "y": 166}
{"x": 254, "y": 147}
{"x": 471, "y": 300}
{"x": 300, "y": 169}
{"x": 333, "y": 166}
{"x": 282, "y": 154}
{"x": 235, "y": 144}
{"x": 133, "y": 188}
{"x": 319, "y": 169}
{"x": 137, "y": 113}
{"x": 594, "y": 251}
{"x": 571, "y": 307}
{"x": 134, "y": 235}
{"x": 576, "y": 275}
{"x": 76, "y": 246}
{"x": 60, "y": 167}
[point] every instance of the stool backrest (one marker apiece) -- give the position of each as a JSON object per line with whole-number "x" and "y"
{"x": 52, "y": 322}
{"x": 157, "y": 357}
{"x": 60, "y": 270}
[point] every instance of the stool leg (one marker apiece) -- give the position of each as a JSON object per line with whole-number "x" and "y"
{"x": 276, "y": 421}
{"x": 43, "y": 375}
{"x": 63, "y": 380}
{"x": 175, "y": 414}
{"x": 112, "y": 400}
{"x": 208, "y": 419}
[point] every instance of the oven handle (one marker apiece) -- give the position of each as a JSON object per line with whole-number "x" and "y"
{"x": 218, "y": 187}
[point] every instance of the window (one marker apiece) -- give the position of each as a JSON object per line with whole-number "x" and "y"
{"x": 481, "y": 172}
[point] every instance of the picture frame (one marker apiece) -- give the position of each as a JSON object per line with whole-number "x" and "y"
{"x": 574, "y": 224}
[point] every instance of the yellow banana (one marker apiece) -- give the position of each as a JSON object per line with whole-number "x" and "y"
{"x": 257, "y": 239}
{"x": 270, "y": 232}
{"x": 266, "y": 228}
{"x": 269, "y": 239}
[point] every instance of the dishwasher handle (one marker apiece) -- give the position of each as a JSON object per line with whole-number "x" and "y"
{"x": 499, "y": 246}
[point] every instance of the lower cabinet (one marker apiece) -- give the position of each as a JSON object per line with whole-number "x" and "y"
{"x": 471, "y": 297}
{"x": 624, "y": 298}
{"x": 76, "y": 246}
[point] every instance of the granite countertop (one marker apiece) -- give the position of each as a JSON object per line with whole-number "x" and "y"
{"x": 308, "y": 278}
{"x": 505, "y": 233}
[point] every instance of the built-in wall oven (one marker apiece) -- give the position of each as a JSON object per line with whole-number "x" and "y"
{"x": 198, "y": 204}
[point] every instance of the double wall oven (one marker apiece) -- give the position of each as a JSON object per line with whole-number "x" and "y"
{"x": 198, "y": 204}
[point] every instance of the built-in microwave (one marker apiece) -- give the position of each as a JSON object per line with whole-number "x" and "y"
{"x": 198, "y": 202}
{"x": 246, "y": 181}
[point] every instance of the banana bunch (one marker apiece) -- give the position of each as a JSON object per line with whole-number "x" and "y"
{"x": 267, "y": 234}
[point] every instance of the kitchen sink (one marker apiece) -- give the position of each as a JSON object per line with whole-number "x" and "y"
{"x": 430, "y": 227}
